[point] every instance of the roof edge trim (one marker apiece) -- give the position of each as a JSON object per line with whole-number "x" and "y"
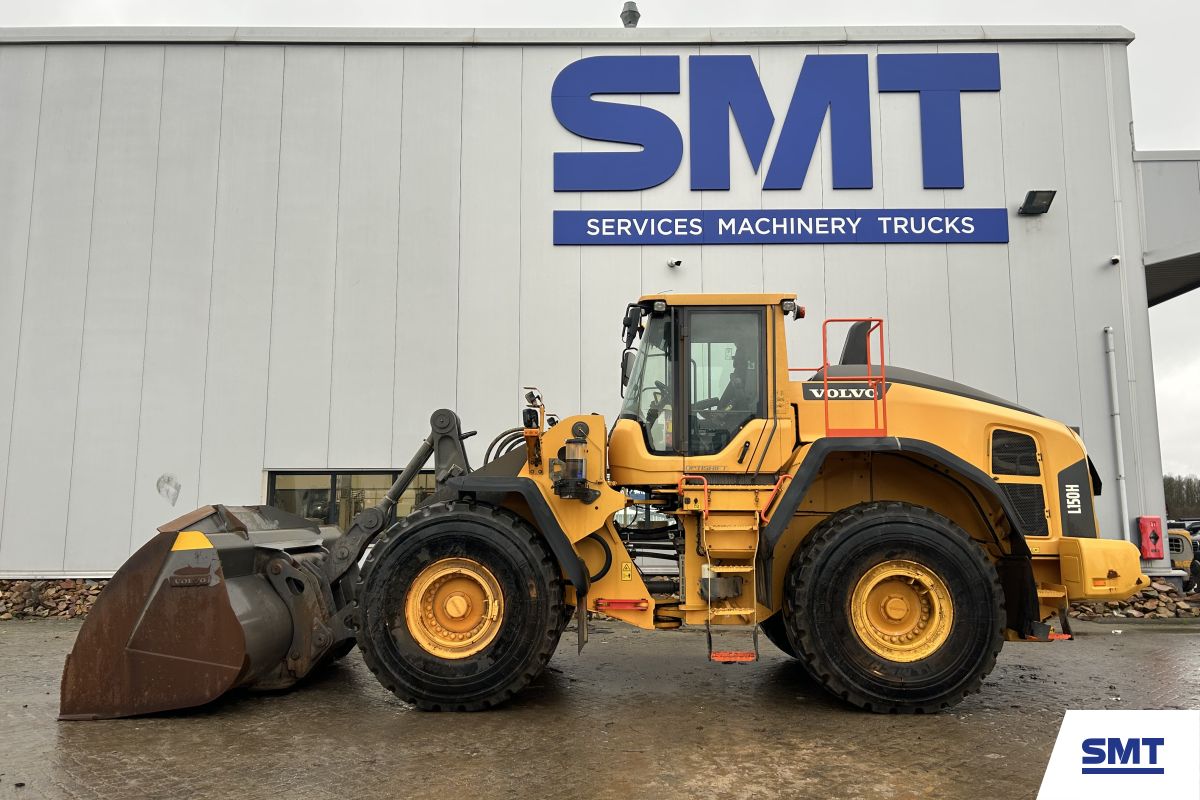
{"x": 572, "y": 36}
{"x": 1166, "y": 155}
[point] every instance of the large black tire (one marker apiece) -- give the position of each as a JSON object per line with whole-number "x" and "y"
{"x": 530, "y": 585}
{"x": 776, "y": 632}
{"x": 817, "y": 599}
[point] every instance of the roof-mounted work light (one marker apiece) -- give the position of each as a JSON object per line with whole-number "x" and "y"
{"x": 1036, "y": 202}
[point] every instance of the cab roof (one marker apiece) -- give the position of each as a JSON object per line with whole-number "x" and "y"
{"x": 719, "y": 299}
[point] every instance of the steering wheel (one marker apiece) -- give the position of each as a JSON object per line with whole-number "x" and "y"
{"x": 706, "y": 409}
{"x": 657, "y": 404}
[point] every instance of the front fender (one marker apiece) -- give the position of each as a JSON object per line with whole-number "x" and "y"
{"x": 496, "y": 488}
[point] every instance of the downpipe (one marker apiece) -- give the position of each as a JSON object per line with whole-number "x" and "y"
{"x": 1110, "y": 352}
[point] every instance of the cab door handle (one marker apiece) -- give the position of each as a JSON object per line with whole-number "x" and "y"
{"x": 745, "y": 449}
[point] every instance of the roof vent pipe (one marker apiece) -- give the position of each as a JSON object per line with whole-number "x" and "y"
{"x": 630, "y": 15}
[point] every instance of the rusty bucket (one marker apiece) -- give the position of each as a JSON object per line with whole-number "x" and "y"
{"x": 205, "y": 606}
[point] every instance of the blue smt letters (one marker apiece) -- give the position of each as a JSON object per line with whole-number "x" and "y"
{"x": 726, "y": 96}
{"x": 836, "y": 86}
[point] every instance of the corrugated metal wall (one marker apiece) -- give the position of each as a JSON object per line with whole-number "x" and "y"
{"x": 216, "y": 260}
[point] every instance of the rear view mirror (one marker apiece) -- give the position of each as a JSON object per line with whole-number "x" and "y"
{"x": 627, "y": 360}
{"x": 631, "y": 324}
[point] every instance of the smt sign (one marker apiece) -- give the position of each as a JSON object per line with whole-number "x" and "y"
{"x": 721, "y": 86}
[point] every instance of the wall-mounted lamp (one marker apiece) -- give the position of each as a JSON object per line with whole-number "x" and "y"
{"x": 630, "y": 15}
{"x": 1036, "y": 202}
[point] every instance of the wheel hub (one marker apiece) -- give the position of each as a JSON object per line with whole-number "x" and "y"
{"x": 901, "y": 610}
{"x": 458, "y": 605}
{"x": 454, "y": 608}
{"x": 895, "y": 608}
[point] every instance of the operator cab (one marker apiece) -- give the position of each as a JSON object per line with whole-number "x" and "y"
{"x": 695, "y": 386}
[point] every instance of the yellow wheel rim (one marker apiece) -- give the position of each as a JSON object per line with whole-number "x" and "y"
{"x": 901, "y": 611}
{"x": 454, "y": 608}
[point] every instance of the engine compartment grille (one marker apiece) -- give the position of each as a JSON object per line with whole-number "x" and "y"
{"x": 1014, "y": 454}
{"x": 1030, "y": 504}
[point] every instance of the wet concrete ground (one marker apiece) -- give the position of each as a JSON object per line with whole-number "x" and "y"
{"x": 638, "y": 715}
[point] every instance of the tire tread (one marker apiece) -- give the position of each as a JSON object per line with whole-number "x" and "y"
{"x": 813, "y": 551}
{"x": 546, "y": 565}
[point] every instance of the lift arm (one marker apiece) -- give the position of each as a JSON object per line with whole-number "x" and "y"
{"x": 445, "y": 444}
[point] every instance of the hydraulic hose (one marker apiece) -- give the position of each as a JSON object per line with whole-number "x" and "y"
{"x": 509, "y": 445}
{"x": 487, "y": 456}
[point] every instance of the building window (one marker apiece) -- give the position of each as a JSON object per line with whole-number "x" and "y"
{"x": 334, "y": 498}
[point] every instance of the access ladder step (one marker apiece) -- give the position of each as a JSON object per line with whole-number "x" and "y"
{"x": 731, "y": 567}
{"x": 729, "y": 656}
{"x": 732, "y": 612}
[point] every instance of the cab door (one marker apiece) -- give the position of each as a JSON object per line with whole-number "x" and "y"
{"x": 723, "y": 388}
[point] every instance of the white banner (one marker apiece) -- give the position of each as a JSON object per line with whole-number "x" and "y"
{"x": 1122, "y": 754}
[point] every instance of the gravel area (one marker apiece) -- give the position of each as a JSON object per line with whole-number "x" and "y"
{"x": 62, "y": 599}
{"x": 1158, "y": 601}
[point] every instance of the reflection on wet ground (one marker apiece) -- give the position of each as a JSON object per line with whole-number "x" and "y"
{"x": 636, "y": 715}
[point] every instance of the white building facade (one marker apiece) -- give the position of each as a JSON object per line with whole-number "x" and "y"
{"x": 228, "y": 255}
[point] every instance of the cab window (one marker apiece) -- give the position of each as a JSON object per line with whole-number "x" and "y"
{"x": 725, "y": 380}
{"x": 649, "y": 395}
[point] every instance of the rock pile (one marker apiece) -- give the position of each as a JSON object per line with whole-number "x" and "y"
{"x": 63, "y": 599}
{"x": 1159, "y": 601}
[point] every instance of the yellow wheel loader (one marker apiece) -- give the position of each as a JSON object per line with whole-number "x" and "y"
{"x": 1185, "y": 556}
{"x": 887, "y": 528}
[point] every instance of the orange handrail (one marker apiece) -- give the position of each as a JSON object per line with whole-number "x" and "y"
{"x": 876, "y": 383}
{"x": 762, "y": 512}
